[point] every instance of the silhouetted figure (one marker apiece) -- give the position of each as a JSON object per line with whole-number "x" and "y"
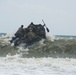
{"x": 20, "y": 32}
{"x": 18, "y": 36}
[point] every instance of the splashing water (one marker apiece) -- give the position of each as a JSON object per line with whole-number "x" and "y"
{"x": 13, "y": 65}
{"x": 38, "y": 59}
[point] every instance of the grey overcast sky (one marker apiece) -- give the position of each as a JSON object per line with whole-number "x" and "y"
{"x": 59, "y": 15}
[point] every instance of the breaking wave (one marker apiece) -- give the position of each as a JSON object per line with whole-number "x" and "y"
{"x": 46, "y": 57}
{"x": 44, "y": 48}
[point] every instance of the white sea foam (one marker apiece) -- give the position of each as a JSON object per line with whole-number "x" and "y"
{"x": 5, "y": 39}
{"x": 50, "y": 37}
{"x": 13, "y": 65}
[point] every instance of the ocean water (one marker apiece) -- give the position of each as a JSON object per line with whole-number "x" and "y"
{"x": 65, "y": 37}
{"x": 43, "y": 58}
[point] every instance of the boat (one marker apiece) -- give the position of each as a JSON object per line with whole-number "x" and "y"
{"x": 33, "y": 33}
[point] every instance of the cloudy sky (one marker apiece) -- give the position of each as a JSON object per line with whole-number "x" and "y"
{"x": 59, "y": 15}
